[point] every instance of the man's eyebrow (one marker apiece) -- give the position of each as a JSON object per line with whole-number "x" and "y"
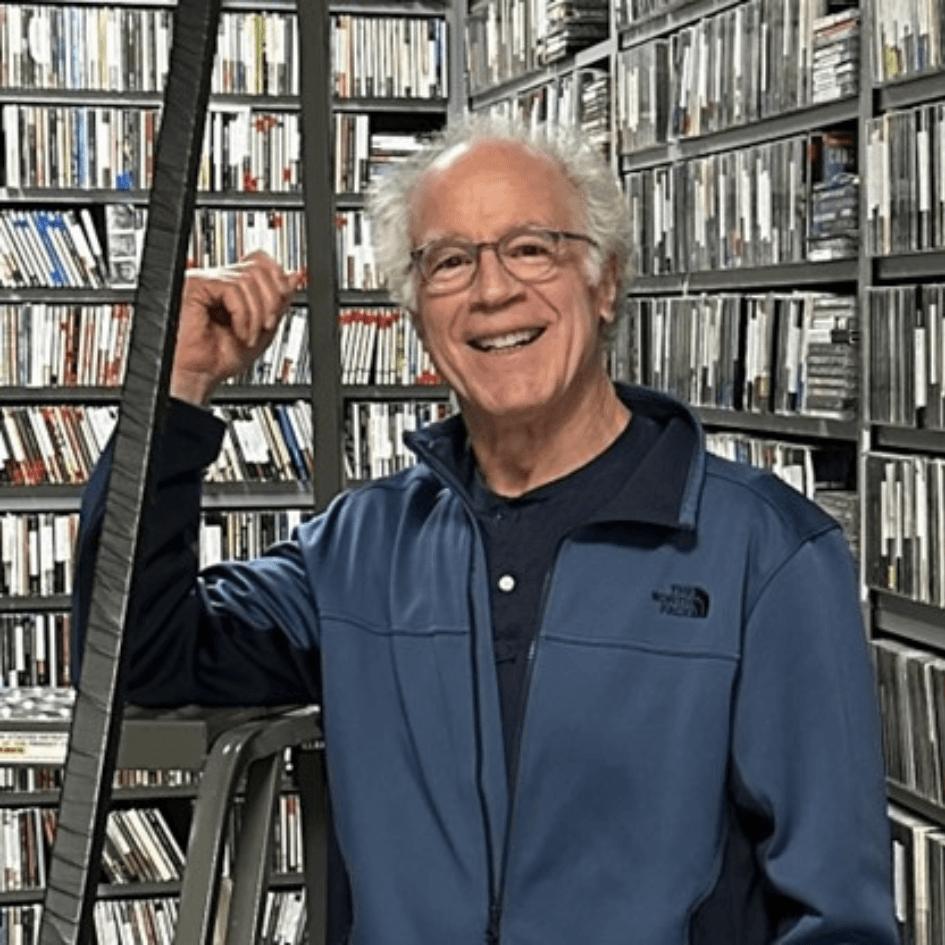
{"x": 441, "y": 237}
{"x": 461, "y": 238}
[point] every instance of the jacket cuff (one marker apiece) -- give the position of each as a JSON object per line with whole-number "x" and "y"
{"x": 191, "y": 440}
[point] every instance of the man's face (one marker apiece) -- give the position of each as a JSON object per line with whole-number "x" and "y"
{"x": 512, "y": 350}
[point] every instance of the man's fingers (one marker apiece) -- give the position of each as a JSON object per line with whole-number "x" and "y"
{"x": 270, "y": 286}
{"x": 240, "y": 304}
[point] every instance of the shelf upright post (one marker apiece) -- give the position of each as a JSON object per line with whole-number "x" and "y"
{"x": 864, "y": 284}
{"x": 322, "y": 288}
{"x": 458, "y": 93}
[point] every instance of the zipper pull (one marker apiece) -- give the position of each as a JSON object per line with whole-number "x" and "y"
{"x": 492, "y": 930}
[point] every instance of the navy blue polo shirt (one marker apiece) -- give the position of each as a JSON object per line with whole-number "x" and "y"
{"x": 522, "y": 535}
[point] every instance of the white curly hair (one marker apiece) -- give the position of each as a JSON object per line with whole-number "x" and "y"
{"x": 390, "y": 198}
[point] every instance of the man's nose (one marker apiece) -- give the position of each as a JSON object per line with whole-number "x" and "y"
{"x": 493, "y": 282}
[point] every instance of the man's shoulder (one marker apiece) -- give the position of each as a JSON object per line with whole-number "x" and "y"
{"x": 394, "y": 488}
{"x": 760, "y": 494}
{"x": 388, "y": 499}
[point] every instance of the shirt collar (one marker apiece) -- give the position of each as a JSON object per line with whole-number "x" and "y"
{"x": 664, "y": 489}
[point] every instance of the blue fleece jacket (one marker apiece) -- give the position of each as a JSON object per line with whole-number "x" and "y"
{"x": 699, "y": 759}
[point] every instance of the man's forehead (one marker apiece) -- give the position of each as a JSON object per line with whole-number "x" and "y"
{"x": 484, "y": 164}
{"x": 488, "y": 174}
{"x": 504, "y": 147}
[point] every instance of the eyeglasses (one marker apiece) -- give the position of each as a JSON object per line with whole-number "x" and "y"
{"x": 529, "y": 254}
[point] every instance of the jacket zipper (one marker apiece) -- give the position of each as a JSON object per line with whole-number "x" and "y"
{"x": 493, "y": 929}
{"x": 497, "y": 882}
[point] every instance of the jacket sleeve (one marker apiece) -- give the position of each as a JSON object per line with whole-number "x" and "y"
{"x": 807, "y": 752}
{"x": 238, "y": 633}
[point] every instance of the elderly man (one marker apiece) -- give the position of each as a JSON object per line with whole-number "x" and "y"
{"x": 581, "y": 681}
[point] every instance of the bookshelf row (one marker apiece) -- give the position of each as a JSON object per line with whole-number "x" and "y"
{"x": 749, "y": 207}
{"x": 507, "y": 39}
{"x": 229, "y": 535}
{"x": 60, "y": 444}
{"x": 911, "y": 692}
{"x": 580, "y": 98}
{"x": 249, "y": 149}
{"x": 48, "y": 248}
{"x": 133, "y": 920}
{"x": 154, "y": 920}
{"x": 37, "y": 553}
{"x": 34, "y": 650}
{"x": 265, "y": 443}
{"x": 785, "y": 353}
{"x": 40, "y": 248}
{"x": 919, "y": 869}
{"x": 262, "y": 442}
{"x": 37, "y": 562}
{"x": 905, "y": 198}
{"x": 389, "y": 57}
{"x": 140, "y": 845}
{"x": 362, "y": 152}
{"x": 745, "y": 63}
{"x": 381, "y": 346}
{"x": 126, "y": 49}
{"x": 50, "y": 345}
{"x": 907, "y": 40}
{"x": 905, "y": 525}
{"x": 907, "y": 355}
{"x": 46, "y": 345}
{"x": 245, "y": 149}
{"x": 56, "y": 444}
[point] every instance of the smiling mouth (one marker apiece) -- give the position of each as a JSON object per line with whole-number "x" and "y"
{"x": 508, "y": 342}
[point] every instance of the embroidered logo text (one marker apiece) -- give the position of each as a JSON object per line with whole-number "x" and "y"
{"x": 683, "y": 600}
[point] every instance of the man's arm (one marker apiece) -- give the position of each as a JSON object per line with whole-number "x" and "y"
{"x": 219, "y": 637}
{"x": 807, "y": 753}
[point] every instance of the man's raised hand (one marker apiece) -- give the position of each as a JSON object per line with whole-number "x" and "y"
{"x": 228, "y": 317}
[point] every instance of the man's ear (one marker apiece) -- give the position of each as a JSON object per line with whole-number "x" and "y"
{"x": 607, "y": 290}
{"x": 412, "y": 308}
{"x": 417, "y": 322}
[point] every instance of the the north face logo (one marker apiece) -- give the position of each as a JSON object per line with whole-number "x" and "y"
{"x": 683, "y": 600}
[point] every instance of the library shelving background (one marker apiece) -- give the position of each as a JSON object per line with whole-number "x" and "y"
{"x": 784, "y": 165}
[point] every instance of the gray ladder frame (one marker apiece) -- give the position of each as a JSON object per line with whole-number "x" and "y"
{"x": 253, "y": 750}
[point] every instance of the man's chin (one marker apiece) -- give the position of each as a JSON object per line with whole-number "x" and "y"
{"x": 505, "y": 406}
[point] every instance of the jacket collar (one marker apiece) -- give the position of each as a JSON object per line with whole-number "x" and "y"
{"x": 663, "y": 490}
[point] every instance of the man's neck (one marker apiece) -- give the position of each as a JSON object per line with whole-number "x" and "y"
{"x": 517, "y": 456}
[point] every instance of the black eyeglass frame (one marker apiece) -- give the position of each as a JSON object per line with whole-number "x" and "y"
{"x": 476, "y": 249}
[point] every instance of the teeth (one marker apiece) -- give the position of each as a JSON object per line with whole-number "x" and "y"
{"x": 507, "y": 341}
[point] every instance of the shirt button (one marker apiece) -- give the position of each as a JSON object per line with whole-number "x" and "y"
{"x": 507, "y": 583}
